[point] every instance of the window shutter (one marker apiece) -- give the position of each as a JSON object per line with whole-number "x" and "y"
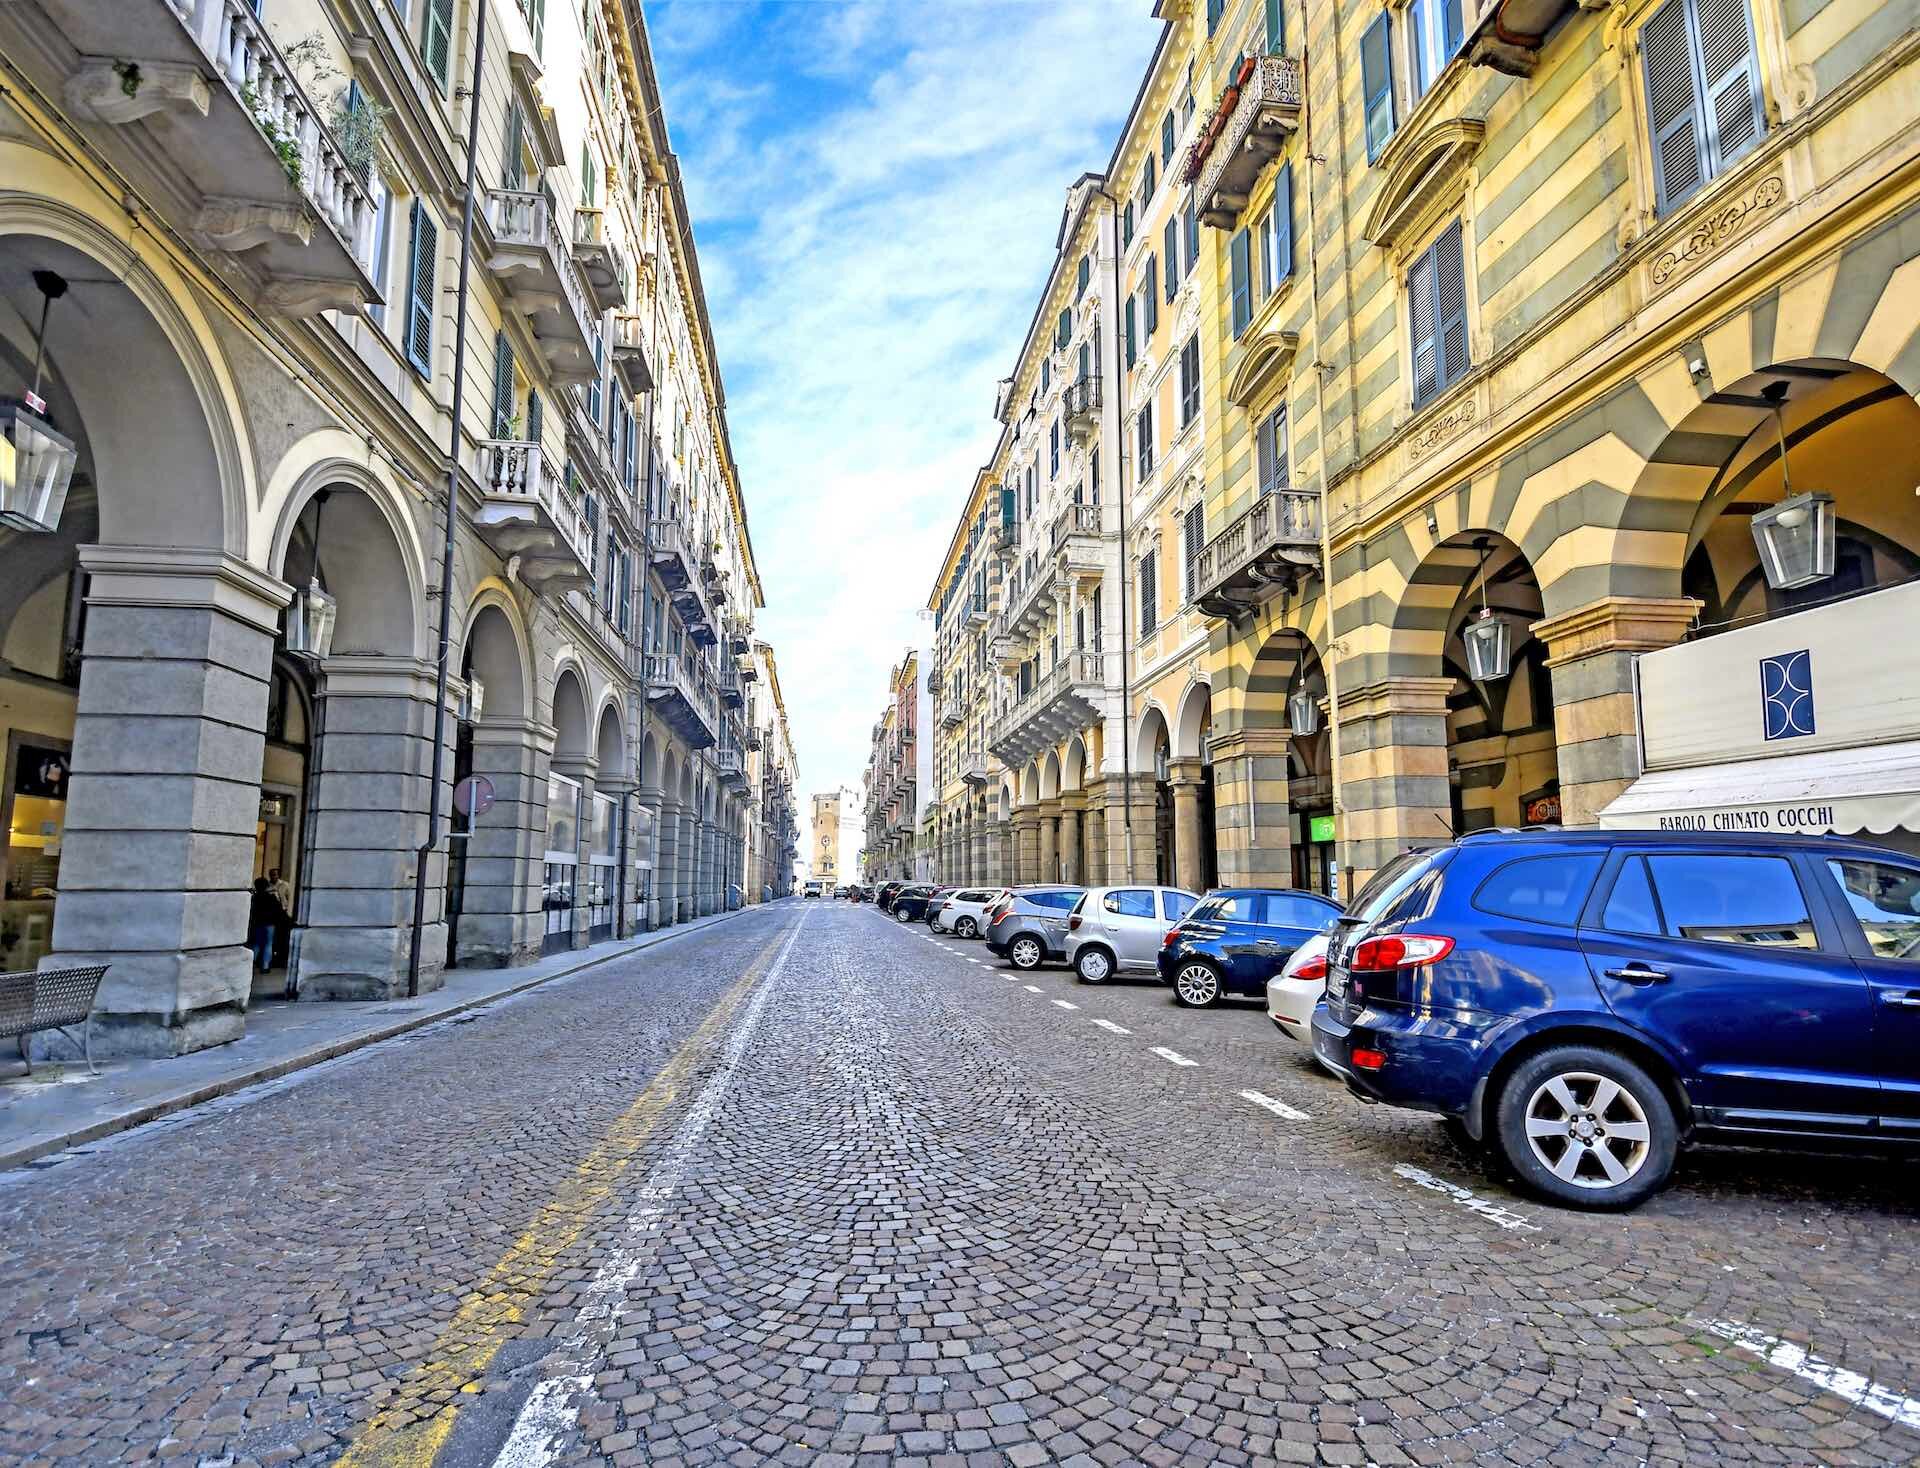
{"x": 512, "y": 175}
{"x": 1166, "y": 137}
{"x": 502, "y": 384}
{"x": 420, "y": 276}
{"x": 1149, "y": 593}
{"x": 1426, "y": 353}
{"x": 1146, "y": 182}
{"x": 1215, "y": 9}
{"x": 437, "y": 39}
{"x": 1276, "y": 28}
{"x": 1191, "y": 222}
{"x": 1277, "y": 425}
{"x": 1376, "y": 84}
{"x": 1672, "y": 105}
{"x": 1283, "y": 223}
{"x": 1728, "y": 68}
{"x": 1450, "y": 296}
{"x": 536, "y": 415}
{"x": 1082, "y": 276}
{"x": 1126, "y": 225}
{"x": 1150, "y": 298}
{"x": 1171, "y": 238}
{"x": 1131, "y": 355}
{"x": 1263, "y": 451}
{"x": 1241, "y": 251}
{"x": 1046, "y": 373}
{"x": 537, "y": 20}
{"x": 1063, "y": 332}
{"x": 1196, "y": 537}
{"x": 1085, "y": 360}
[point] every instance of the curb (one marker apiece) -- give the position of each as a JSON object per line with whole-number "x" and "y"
{"x": 332, "y": 1050}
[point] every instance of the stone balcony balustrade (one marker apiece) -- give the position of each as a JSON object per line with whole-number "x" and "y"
{"x": 529, "y": 519}
{"x": 682, "y": 699}
{"x": 1068, "y": 698}
{"x": 601, "y": 259}
{"x": 1270, "y": 545}
{"x": 536, "y": 268}
{"x": 1082, "y": 403}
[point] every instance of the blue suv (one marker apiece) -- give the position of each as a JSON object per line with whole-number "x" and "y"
{"x": 1237, "y": 939}
{"x": 1587, "y": 1002}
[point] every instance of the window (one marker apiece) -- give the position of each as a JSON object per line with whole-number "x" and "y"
{"x": 1126, "y": 225}
{"x": 1149, "y": 595}
{"x": 1242, "y": 282}
{"x": 1170, "y": 243}
{"x": 1886, "y": 900}
{"x": 1147, "y": 181}
{"x": 1703, "y": 93}
{"x": 1190, "y": 225}
{"x": 502, "y": 386}
{"x": 1276, "y": 234}
{"x": 1434, "y": 34}
{"x": 1288, "y": 910}
{"x": 1134, "y": 902}
{"x": 1053, "y": 452}
{"x": 382, "y": 241}
{"x": 1271, "y": 451}
{"x": 1276, "y": 28}
{"x": 436, "y": 39}
{"x": 1150, "y": 299}
{"x": 1166, "y": 139}
{"x": 1215, "y": 9}
{"x": 1132, "y": 353}
{"x": 1143, "y": 439}
{"x": 1376, "y": 84}
{"x": 422, "y": 264}
{"x": 1630, "y": 906}
{"x": 1082, "y": 276}
{"x": 1190, "y": 380}
{"x": 1239, "y": 908}
{"x": 1046, "y": 373}
{"x": 513, "y": 171}
{"x": 1063, "y": 329}
{"x": 1541, "y": 889}
{"x": 1748, "y": 900}
{"x": 1194, "y": 528}
{"x": 1437, "y": 311}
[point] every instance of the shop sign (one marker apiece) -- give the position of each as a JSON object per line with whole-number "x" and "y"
{"x": 1762, "y": 818}
{"x": 1542, "y": 810}
{"x": 1320, "y": 828}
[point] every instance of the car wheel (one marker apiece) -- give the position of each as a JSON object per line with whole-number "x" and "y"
{"x": 1586, "y": 1127}
{"x": 966, "y": 928}
{"x": 900, "y": 914}
{"x": 1197, "y": 985}
{"x": 1093, "y": 965}
{"x": 1025, "y": 952}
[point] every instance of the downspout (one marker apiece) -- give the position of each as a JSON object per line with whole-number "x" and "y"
{"x": 452, "y": 513}
{"x": 1120, "y": 493}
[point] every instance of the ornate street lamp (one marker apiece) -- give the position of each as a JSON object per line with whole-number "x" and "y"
{"x": 1488, "y": 638}
{"x": 474, "y": 701}
{"x": 36, "y": 461}
{"x": 312, "y": 612}
{"x": 1303, "y": 713}
{"x": 1795, "y": 538}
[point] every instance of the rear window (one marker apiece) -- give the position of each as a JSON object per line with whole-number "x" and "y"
{"x": 1541, "y": 889}
{"x": 1886, "y": 901}
{"x": 1380, "y": 898}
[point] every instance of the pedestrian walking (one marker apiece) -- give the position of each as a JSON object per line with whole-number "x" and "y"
{"x": 283, "y": 930}
{"x": 264, "y": 917}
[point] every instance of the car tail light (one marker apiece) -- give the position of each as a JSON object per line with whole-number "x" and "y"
{"x": 1313, "y": 968}
{"x": 1172, "y": 937}
{"x": 945, "y": 905}
{"x": 1073, "y": 923}
{"x": 1368, "y": 1059}
{"x": 1402, "y": 950}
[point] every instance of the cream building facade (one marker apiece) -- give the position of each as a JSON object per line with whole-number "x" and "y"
{"x": 230, "y": 254}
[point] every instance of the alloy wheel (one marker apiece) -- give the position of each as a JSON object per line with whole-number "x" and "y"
{"x": 1587, "y": 1129}
{"x": 1093, "y": 965}
{"x": 1197, "y": 985}
{"x": 965, "y": 928}
{"x": 1025, "y": 953}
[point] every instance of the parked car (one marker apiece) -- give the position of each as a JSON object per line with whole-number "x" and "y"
{"x": 1297, "y": 988}
{"x": 814, "y": 888}
{"x": 1028, "y": 925}
{"x": 910, "y": 902}
{"x": 963, "y": 912}
{"x": 1119, "y": 929}
{"x": 935, "y": 895}
{"x": 1589, "y": 1002}
{"x": 1237, "y": 939}
{"x": 883, "y": 898}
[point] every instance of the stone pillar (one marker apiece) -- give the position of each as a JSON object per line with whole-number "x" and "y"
{"x": 626, "y": 915}
{"x": 979, "y": 870}
{"x": 1026, "y": 846}
{"x": 500, "y": 918}
{"x": 667, "y": 861}
{"x": 1095, "y": 841}
{"x": 1049, "y": 841}
{"x": 660, "y": 875}
{"x": 368, "y": 820}
{"x": 1590, "y": 651}
{"x": 1393, "y": 790}
{"x": 1189, "y": 864}
{"x": 1073, "y": 809}
{"x": 164, "y": 795}
{"x": 1255, "y": 846}
{"x": 1129, "y": 863}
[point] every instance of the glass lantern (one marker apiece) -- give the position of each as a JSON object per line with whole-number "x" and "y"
{"x": 1303, "y": 714}
{"x": 1795, "y": 540}
{"x": 36, "y": 468}
{"x": 310, "y": 618}
{"x": 1489, "y": 643}
{"x": 474, "y": 701}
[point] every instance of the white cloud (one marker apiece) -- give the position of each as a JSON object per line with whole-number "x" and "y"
{"x": 876, "y": 190}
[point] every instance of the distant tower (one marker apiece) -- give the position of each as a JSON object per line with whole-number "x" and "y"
{"x": 825, "y": 857}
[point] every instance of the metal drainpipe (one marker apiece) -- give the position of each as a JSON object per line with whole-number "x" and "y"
{"x": 1120, "y": 493}
{"x": 452, "y": 513}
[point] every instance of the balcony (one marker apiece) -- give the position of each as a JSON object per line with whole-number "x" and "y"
{"x": 1004, "y": 534}
{"x": 739, "y": 635}
{"x": 1031, "y": 593}
{"x": 630, "y": 353}
{"x": 731, "y": 694}
{"x": 1069, "y": 698}
{"x": 1079, "y": 540}
{"x": 936, "y": 680}
{"x": 1272, "y": 545}
{"x": 244, "y": 164}
{"x": 681, "y": 700}
{"x": 952, "y": 713}
{"x": 601, "y": 260}
{"x": 529, "y": 520}
{"x": 1255, "y": 117}
{"x": 731, "y": 768}
{"x": 537, "y": 271}
{"x": 672, "y": 556}
{"x": 752, "y": 739}
{"x": 1082, "y": 402}
{"x": 976, "y": 611}
{"x": 973, "y": 769}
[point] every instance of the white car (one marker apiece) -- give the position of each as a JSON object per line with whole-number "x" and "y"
{"x": 1293, "y": 992}
{"x": 964, "y": 913}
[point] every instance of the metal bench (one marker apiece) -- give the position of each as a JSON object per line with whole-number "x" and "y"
{"x": 50, "y": 999}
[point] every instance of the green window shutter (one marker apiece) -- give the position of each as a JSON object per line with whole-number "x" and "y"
{"x": 1166, "y": 138}
{"x": 1242, "y": 256}
{"x": 1170, "y": 242}
{"x": 1063, "y": 332}
{"x": 586, "y": 173}
{"x": 1126, "y": 225}
{"x": 1283, "y": 224}
{"x": 436, "y": 39}
{"x": 537, "y": 21}
{"x": 502, "y": 384}
{"x": 513, "y": 172}
{"x": 1276, "y": 27}
{"x": 1147, "y": 182}
{"x": 1131, "y": 353}
{"x": 417, "y": 327}
{"x": 1083, "y": 276}
{"x": 1150, "y": 298}
{"x": 536, "y": 414}
{"x": 1376, "y": 84}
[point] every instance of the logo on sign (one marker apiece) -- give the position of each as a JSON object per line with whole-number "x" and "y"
{"x": 1786, "y": 695}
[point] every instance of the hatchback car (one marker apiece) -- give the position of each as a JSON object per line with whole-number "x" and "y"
{"x": 883, "y": 897}
{"x": 1588, "y": 1002}
{"x": 1297, "y": 988}
{"x": 909, "y": 904}
{"x": 1119, "y": 929}
{"x": 1028, "y": 925}
{"x": 1237, "y": 939}
{"x": 963, "y": 912}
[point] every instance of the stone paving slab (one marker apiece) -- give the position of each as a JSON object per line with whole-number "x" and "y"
{"x": 60, "y": 1105}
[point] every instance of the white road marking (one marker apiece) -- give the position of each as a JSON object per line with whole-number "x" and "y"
{"x": 552, "y": 1409}
{"x": 1109, "y": 1025}
{"x": 1278, "y": 1108}
{"x": 1823, "y": 1374}
{"x": 1033, "y": 988}
{"x": 1064, "y": 1005}
{"x": 1492, "y": 1212}
{"x": 1172, "y": 1055}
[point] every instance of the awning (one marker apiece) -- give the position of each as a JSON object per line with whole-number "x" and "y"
{"x": 1873, "y": 788}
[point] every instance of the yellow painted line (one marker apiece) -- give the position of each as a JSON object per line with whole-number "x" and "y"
{"x": 409, "y": 1430}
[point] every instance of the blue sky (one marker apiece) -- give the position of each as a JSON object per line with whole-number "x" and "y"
{"x": 876, "y": 186}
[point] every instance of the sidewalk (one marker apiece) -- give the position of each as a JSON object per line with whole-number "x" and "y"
{"x": 60, "y": 1105}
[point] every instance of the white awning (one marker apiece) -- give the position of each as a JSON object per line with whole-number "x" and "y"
{"x": 1873, "y": 788}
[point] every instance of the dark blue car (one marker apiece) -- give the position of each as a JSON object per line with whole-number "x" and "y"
{"x": 1587, "y": 1002}
{"x": 1237, "y": 939}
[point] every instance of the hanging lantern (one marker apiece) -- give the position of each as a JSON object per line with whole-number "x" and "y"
{"x": 1489, "y": 641}
{"x": 310, "y": 618}
{"x": 1795, "y": 540}
{"x": 36, "y": 461}
{"x": 1303, "y": 714}
{"x": 475, "y": 699}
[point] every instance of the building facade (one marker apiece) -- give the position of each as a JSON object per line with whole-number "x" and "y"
{"x": 895, "y": 777}
{"x": 230, "y": 316}
{"x": 1508, "y": 342}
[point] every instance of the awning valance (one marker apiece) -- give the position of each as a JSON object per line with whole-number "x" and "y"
{"x": 1873, "y": 788}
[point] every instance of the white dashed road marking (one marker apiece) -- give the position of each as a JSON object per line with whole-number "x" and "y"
{"x": 1492, "y": 1212}
{"x": 1033, "y": 988}
{"x": 1107, "y": 1024}
{"x": 1172, "y": 1055}
{"x": 1823, "y": 1374}
{"x": 1064, "y": 1005}
{"x": 1278, "y": 1108}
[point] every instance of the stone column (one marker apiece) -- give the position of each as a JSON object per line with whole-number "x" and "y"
{"x": 1049, "y": 841}
{"x": 683, "y": 866}
{"x": 1095, "y": 841}
{"x": 1073, "y": 809}
{"x": 667, "y": 859}
{"x": 1026, "y": 845}
{"x": 1590, "y": 651}
{"x": 1185, "y": 775}
{"x": 1393, "y": 772}
{"x": 500, "y": 918}
{"x": 626, "y": 917}
{"x": 979, "y": 870}
{"x": 660, "y": 873}
{"x": 1124, "y": 864}
{"x": 1255, "y": 846}
{"x": 369, "y": 818}
{"x": 164, "y": 795}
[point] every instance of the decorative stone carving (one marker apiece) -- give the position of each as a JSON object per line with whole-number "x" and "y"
{"x": 241, "y": 224}
{"x": 297, "y": 297}
{"x": 119, "y": 92}
{"x": 1716, "y": 228}
{"x": 1449, "y": 425}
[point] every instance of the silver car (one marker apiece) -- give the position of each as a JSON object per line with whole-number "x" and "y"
{"x": 964, "y": 913}
{"x": 1118, "y": 929}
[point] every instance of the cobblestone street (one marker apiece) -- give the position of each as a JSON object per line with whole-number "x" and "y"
{"x": 816, "y": 1188}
